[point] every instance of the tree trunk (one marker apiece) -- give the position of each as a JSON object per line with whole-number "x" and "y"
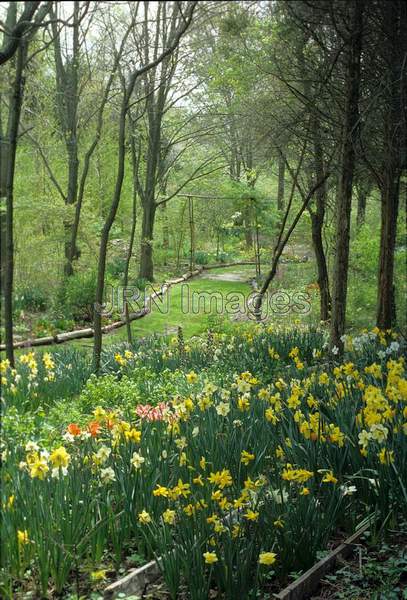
{"x": 281, "y": 181}
{"x": 344, "y": 197}
{"x": 395, "y": 129}
{"x": 13, "y": 125}
{"x": 386, "y": 316}
{"x": 98, "y": 309}
{"x": 322, "y": 269}
{"x": 362, "y": 190}
{"x": 317, "y": 223}
{"x": 166, "y": 229}
{"x": 248, "y": 232}
{"x": 146, "y": 247}
{"x": 67, "y": 82}
{"x": 134, "y": 162}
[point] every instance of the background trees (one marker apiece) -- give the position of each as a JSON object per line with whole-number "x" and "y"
{"x": 253, "y": 107}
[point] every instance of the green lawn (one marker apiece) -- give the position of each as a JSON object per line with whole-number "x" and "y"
{"x": 174, "y": 310}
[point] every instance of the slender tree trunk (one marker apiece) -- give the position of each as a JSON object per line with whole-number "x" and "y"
{"x": 317, "y": 223}
{"x": 322, "y": 269}
{"x": 386, "y": 311}
{"x": 3, "y": 186}
{"x": 97, "y": 319}
{"x": 363, "y": 191}
{"x": 127, "y": 266}
{"x": 146, "y": 248}
{"x": 11, "y": 19}
{"x": 248, "y": 232}
{"x": 13, "y": 125}
{"x": 166, "y": 230}
{"x": 281, "y": 181}
{"x": 395, "y": 23}
{"x": 344, "y": 197}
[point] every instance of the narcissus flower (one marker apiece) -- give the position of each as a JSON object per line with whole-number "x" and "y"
{"x": 22, "y": 537}
{"x": 267, "y": 558}
{"x": 137, "y": 460}
{"x": 169, "y": 516}
{"x": 251, "y": 515}
{"x": 107, "y": 475}
{"x": 386, "y": 457}
{"x": 98, "y": 575}
{"x": 210, "y": 558}
{"x": 144, "y": 517}
{"x": 329, "y": 478}
{"x": 60, "y": 458}
{"x": 191, "y": 377}
{"x": 246, "y": 457}
{"x": 221, "y": 478}
{"x": 223, "y": 409}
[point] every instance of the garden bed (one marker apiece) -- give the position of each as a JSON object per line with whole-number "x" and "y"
{"x": 263, "y": 449}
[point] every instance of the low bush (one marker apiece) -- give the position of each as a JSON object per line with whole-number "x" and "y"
{"x": 79, "y": 296}
{"x": 31, "y": 298}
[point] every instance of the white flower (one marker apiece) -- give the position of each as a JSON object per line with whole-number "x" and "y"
{"x": 103, "y": 454}
{"x": 31, "y": 447}
{"x": 379, "y": 432}
{"x": 107, "y": 475}
{"x": 348, "y": 490}
{"x": 223, "y": 409}
{"x": 225, "y": 394}
{"x": 137, "y": 460}
{"x": 279, "y": 496}
{"x": 22, "y": 465}
{"x": 164, "y": 454}
{"x": 195, "y": 431}
{"x": 364, "y": 437}
{"x": 181, "y": 443}
{"x": 237, "y": 423}
{"x": 68, "y": 437}
{"x": 381, "y": 354}
{"x": 394, "y": 347}
{"x": 56, "y": 472}
{"x": 335, "y": 350}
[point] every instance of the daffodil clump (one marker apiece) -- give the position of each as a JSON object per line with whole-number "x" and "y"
{"x": 238, "y": 477}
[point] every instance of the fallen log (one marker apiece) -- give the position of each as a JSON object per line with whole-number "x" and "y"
{"x": 73, "y": 335}
{"x": 304, "y": 586}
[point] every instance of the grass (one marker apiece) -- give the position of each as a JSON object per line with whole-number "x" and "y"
{"x": 174, "y": 311}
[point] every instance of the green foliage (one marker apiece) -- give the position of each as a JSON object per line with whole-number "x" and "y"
{"x": 79, "y": 294}
{"x": 115, "y": 268}
{"x": 201, "y": 258}
{"x": 31, "y": 298}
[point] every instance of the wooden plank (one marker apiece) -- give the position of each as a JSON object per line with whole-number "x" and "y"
{"x": 227, "y": 265}
{"x": 135, "y": 582}
{"x": 304, "y": 586}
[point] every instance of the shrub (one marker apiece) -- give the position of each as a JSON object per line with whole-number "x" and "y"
{"x": 201, "y": 258}
{"x": 224, "y": 257}
{"x": 116, "y": 268}
{"x": 79, "y": 295}
{"x": 31, "y": 298}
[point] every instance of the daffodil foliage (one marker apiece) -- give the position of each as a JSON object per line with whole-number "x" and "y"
{"x": 242, "y": 475}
